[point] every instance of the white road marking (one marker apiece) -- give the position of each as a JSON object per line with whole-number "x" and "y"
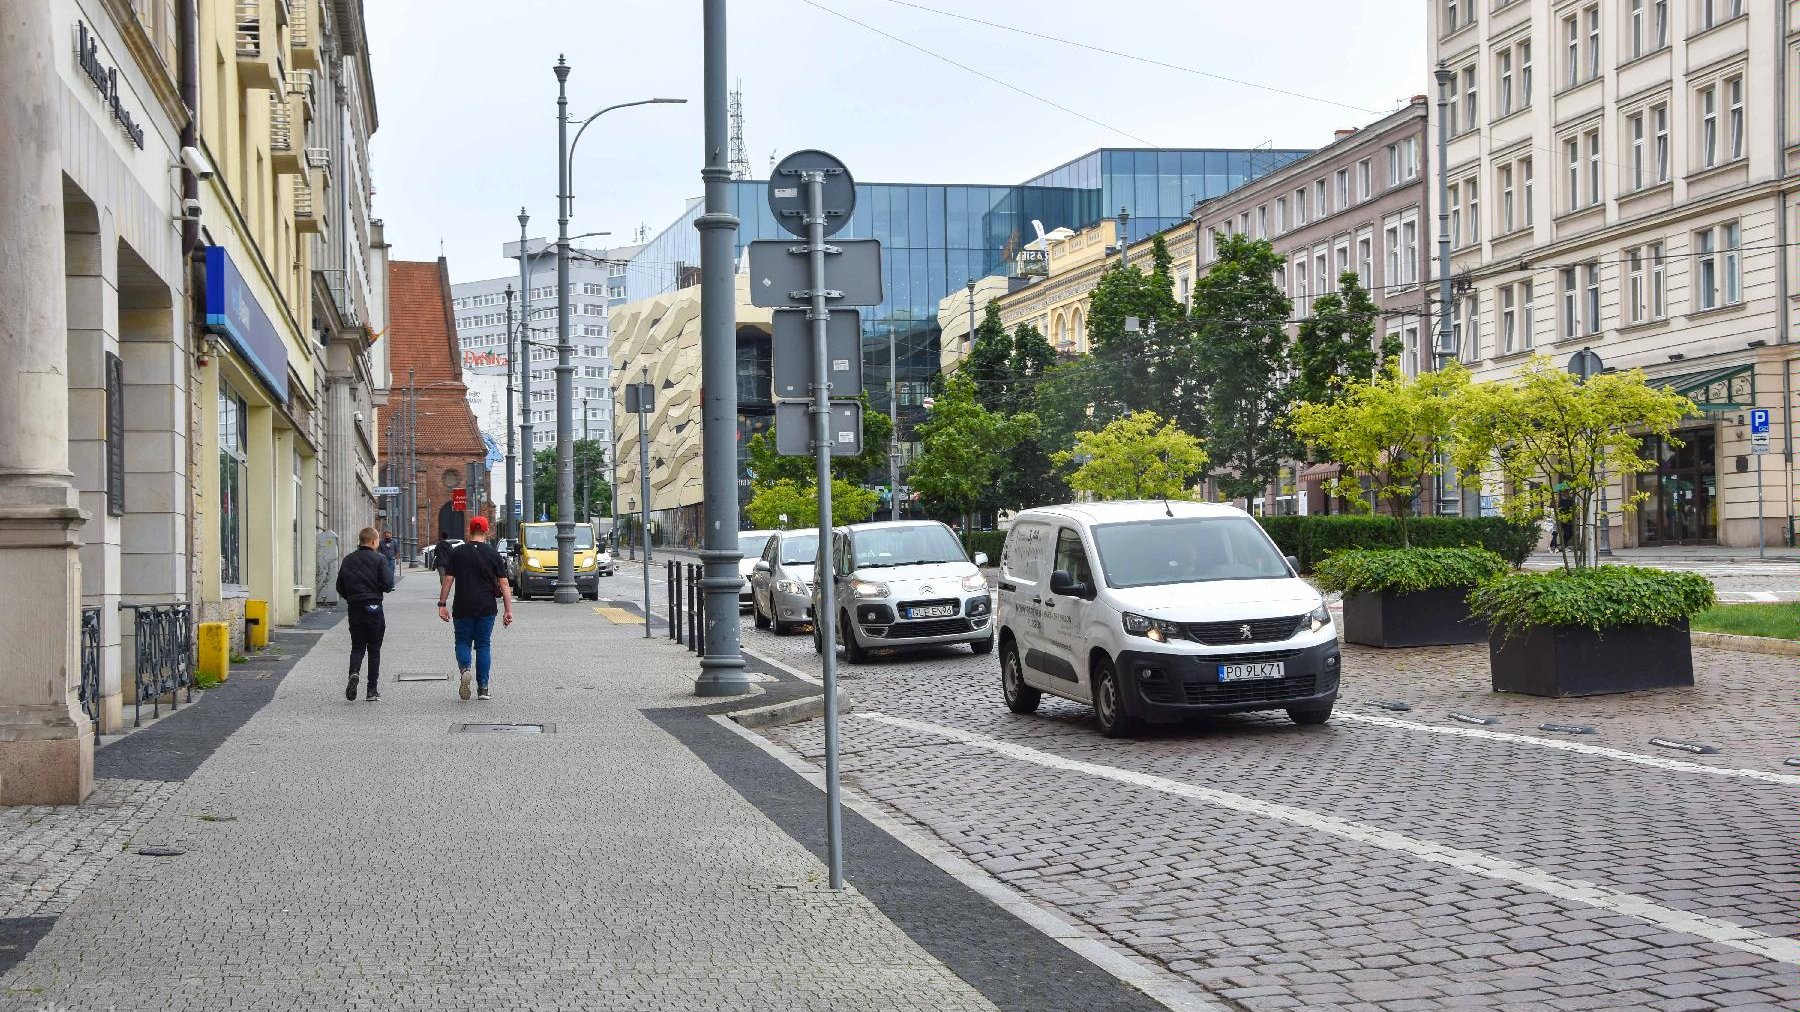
{"x": 1677, "y": 765}
{"x": 1712, "y": 929}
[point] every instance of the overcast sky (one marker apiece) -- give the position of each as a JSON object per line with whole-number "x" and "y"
{"x": 467, "y": 98}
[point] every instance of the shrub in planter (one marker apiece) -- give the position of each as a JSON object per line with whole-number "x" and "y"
{"x": 1409, "y": 597}
{"x": 1589, "y": 631}
{"x": 1312, "y": 538}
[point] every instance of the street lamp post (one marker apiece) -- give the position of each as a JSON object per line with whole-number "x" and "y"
{"x": 722, "y": 664}
{"x": 1446, "y": 341}
{"x": 528, "y": 465}
{"x": 509, "y": 525}
{"x": 893, "y": 429}
{"x": 969, "y": 338}
{"x": 586, "y": 472}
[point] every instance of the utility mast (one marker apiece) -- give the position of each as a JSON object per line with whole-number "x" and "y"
{"x": 740, "y": 156}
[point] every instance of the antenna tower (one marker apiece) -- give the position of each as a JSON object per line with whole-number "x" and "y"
{"x": 740, "y": 157}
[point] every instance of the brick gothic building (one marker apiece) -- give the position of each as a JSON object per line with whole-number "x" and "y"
{"x": 446, "y": 448}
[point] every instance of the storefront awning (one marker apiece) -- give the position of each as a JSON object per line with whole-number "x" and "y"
{"x": 1731, "y": 388}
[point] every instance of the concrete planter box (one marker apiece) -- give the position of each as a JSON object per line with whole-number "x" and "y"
{"x": 1574, "y": 661}
{"x": 1426, "y": 618}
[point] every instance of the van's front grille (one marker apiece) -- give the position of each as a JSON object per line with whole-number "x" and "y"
{"x": 1256, "y": 630}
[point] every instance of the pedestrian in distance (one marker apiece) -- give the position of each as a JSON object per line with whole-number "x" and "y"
{"x": 440, "y": 553}
{"x": 362, "y": 579}
{"x": 390, "y": 550}
{"x": 476, "y": 575}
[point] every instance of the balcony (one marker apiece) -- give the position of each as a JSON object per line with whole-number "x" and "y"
{"x": 283, "y": 153}
{"x": 256, "y": 36}
{"x": 300, "y": 93}
{"x": 303, "y": 33}
{"x": 309, "y": 202}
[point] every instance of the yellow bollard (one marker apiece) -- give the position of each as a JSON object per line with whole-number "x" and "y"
{"x": 215, "y": 650}
{"x": 256, "y": 624}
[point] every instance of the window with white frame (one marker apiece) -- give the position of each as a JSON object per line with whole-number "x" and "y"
{"x": 1718, "y": 267}
{"x": 1647, "y": 25}
{"x": 1503, "y": 82}
{"x": 1301, "y": 290}
{"x": 1527, "y": 316}
{"x": 1716, "y": 12}
{"x": 1638, "y": 138}
{"x": 1590, "y": 309}
{"x": 1410, "y": 349}
{"x": 1572, "y": 191}
{"x": 1594, "y": 191}
{"x": 1341, "y": 194}
{"x": 1455, "y": 194}
{"x": 1472, "y": 192}
{"x": 1571, "y": 27}
{"x": 1391, "y": 246}
{"x": 1323, "y": 281}
{"x": 1524, "y": 58}
{"x": 1709, "y": 126}
{"x": 1365, "y": 180}
{"x": 1592, "y": 17}
{"x": 1646, "y": 291}
{"x": 1409, "y": 250}
{"x": 1508, "y": 220}
{"x": 1508, "y": 336}
{"x": 1321, "y": 200}
{"x": 1569, "y": 324}
{"x": 1262, "y": 222}
{"x": 1365, "y": 259}
{"x": 1464, "y": 329}
{"x": 1734, "y": 117}
{"x": 1469, "y": 104}
{"x": 1280, "y": 215}
{"x": 1244, "y": 223}
{"x": 1525, "y": 191}
{"x": 1300, "y": 215}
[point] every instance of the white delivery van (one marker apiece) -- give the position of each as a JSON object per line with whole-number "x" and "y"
{"x": 1156, "y": 611}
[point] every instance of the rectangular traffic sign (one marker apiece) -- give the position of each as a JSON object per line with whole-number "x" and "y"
{"x": 791, "y": 346}
{"x": 780, "y": 277}
{"x": 1760, "y": 448}
{"x": 459, "y": 500}
{"x": 1759, "y": 421}
{"x": 640, "y": 398}
{"x": 793, "y": 428}
{"x": 383, "y": 490}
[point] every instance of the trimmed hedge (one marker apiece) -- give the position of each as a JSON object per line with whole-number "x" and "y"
{"x": 1312, "y": 538}
{"x": 1406, "y": 570}
{"x": 985, "y": 541}
{"x": 1601, "y": 598}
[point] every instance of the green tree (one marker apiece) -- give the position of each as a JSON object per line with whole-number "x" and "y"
{"x": 963, "y": 448}
{"x": 591, "y": 463}
{"x": 1337, "y": 343}
{"x": 1140, "y": 339}
{"x": 767, "y": 465}
{"x": 1553, "y": 441}
{"x": 799, "y": 503}
{"x": 1387, "y": 431}
{"x": 1242, "y": 362}
{"x": 990, "y": 361}
{"x": 1140, "y": 456}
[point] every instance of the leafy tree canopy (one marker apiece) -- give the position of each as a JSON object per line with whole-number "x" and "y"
{"x": 799, "y": 503}
{"x": 963, "y": 448}
{"x": 1140, "y": 456}
{"x": 1242, "y": 363}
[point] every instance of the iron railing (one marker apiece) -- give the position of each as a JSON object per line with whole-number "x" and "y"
{"x": 90, "y": 663}
{"x": 249, "y": 29}
{"x": 165, "y": 655}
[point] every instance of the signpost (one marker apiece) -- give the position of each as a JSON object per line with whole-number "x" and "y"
{"x": 812, "y": 196}
{"x": 1759, "y": 446}
{"x": 1584, "y": 365}
{"x": 640, "y": 400}
{"x": 383, "y": 491}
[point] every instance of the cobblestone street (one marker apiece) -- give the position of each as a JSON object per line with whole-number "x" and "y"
{"x": 1400, "y": 860}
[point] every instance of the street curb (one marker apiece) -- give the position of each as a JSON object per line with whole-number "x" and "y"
{"x": 1747, "y": 644}
{"x": 793, "y": 711}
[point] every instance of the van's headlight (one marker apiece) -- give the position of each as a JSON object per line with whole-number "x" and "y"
{"x": 1154, "y": 629}
{"x": 1319, "y": 618}
{"x": 868, "y": 588}
{"x": 975, "y": 583}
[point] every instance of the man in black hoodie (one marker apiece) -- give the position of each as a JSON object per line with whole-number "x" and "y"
{"x": 361, "y": 581}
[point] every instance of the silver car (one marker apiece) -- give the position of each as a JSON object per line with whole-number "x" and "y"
{"x": 750, "y": 549}
{"x": 781, "y": 581}
{"x": 906, "y": 584}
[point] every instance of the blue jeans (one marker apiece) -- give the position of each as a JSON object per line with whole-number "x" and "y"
{"x": 472, "y": 635}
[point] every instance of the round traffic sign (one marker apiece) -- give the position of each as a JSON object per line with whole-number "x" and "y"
{"x": 1585, "y": 363}
{"x": 787, "y": 191}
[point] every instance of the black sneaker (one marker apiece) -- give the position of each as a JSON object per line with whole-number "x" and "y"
{"x": 482, "y": 693}
{"x": 350, "y": 690}
{"x": 372, "y": 695}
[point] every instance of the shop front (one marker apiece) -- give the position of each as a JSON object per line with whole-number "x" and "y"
{"x": 1683, "y": 499}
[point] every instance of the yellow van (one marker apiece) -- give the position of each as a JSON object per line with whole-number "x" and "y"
{"x": 534, "y": 561}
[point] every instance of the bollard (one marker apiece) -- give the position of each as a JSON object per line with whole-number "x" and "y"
{"x": 215, "y": 650}
{"x": 670, "y": 610}
{"x": 256, "y": 624}
{"x": 693, "y": 609}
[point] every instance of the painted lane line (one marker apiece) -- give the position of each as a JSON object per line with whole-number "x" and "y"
{"x": 1712, "y": 929}
{"x": 1784, "y": 779}
{"x": 1153, "y": 978}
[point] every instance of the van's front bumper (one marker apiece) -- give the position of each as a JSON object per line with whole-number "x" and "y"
{"x": 1166, "y": 687}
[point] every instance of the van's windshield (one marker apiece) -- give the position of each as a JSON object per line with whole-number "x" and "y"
{"x": 1152, "y": 553}
{"x": 906, "y": 546}
{"x": 799, "y": 549}
{"x": 543, "y": 539}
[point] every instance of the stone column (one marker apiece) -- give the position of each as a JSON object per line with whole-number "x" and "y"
{"x": 46, "y": 743}
{"x": 91, "y": 258}
{"x": 154, "y": 547}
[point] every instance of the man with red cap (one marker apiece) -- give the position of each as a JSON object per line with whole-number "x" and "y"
{"x": 477, "y": 576}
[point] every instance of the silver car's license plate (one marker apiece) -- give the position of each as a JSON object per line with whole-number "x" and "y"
{"x": 1252, "y": 672}
{"x": 935, "y": 611}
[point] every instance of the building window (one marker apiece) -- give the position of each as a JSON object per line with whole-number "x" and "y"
{"x": 1509, "y": 320}
{"x": 1343, "y": 188}
{"x": 1262, "y": 222}
{"x": 1300, "y": 207}
{"x": 1503, "y": 81}
{"x": 1391, "y": 240}
{"x": 1593, "y": 148}
{"x": 1525, "y": 74}
{"x": 234, "y": 484}
{"x": 1455, "y": 191}
{"x": 1244, "y": 223}
{"x": 1525, "y": 189}
{"x": 1659, "y": 117}
{"x": 1300, "y": 287}
{"x": 1365, "y": 179}
{"x": 1409, "y": 251}
{"x": 1507, "y": 220}
{"x": 1322, "y": 279}
{"x": 1280, "y": 215}
{"x": 1637, "y": 292}
{"x": 1341, "y": 261}
{"x": 1719, "y": 272}
{"x": 1472, "y": 189}
{"x": 1410, "y": 346}
{"x": 1450, "y": 12}
{"x": 1571, "y": 51}
{"x": 1734, "y": 116}
{"x": 1365, "y": 259}
{"x": 1590, "y": 315}
{"x": 1570, "y": 323}
{"x": 1463, "y": 330}
{"x": 1593, "y": 42}
{"x": 1527, "y": 317}
{"x": 1321, "y": 200}
{"x": 1572, "y": 149}
{"x": 1709, "y": 126}
{"x": 1717, "y": 12}
{"x": 1639, "y": 166}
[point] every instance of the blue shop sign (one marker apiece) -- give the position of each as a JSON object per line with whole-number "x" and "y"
{"x": 232, "y": 310}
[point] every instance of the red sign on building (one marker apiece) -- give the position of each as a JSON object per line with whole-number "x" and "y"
{"x": 459, "y": 500}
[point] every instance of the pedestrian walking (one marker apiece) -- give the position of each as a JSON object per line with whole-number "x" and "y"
{"x": 440, "y": 553}
{"x": 476, "y": 575}
{"x": 363, "y": 578}
{"x": 390, "y": 550}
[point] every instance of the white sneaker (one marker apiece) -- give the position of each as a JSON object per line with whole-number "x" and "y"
{"x": 462, "y": 689}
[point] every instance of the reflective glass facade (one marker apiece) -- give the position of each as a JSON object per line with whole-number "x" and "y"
{"x": 935, "y": 238}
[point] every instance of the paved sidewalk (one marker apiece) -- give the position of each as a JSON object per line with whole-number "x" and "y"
{"x": 339, "y": 855}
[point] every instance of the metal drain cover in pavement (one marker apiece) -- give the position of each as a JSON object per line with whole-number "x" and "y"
{"x": 422, "y": 677}
{"x": 505, "y": 728}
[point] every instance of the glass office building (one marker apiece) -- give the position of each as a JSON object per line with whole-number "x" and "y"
{"x": 935, "y": 238}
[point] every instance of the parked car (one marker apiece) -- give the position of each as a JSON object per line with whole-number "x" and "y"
{"x": 905, "y": 584}
{"x": 1155, "y": 611}
{"x": 781, "y": 580}
{"x": 750, "y": 547}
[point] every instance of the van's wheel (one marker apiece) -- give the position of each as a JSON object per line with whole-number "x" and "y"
{"x": 1309, "y": 714}
{"x": 757, "y": 615}
{"x": 1109, "y": 702}
{"x": 1020, "y": 698}
{"x": 853, "y": 651}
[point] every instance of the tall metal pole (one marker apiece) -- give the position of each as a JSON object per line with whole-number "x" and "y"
{"x": 826, "y": 619}
{"x": 587, "y": 502}
{"x": 1446, "y": 347}
{"x": 412, "y": 456}
{"x": 969, "y": 338}
{"x": 1124, "y": 237}
{"x": 722, "y": 664}
{"x": 893, "y": 430}
{"x": 644, "y": 489}
{"x": 612, "y": 456}
{"x": 566, "y": 592}
{"x": 509, "y": 525}
{"x": 528, "y": 468}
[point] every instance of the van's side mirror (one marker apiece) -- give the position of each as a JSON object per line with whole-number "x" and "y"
{"x": 1293, "y": 562}
{"x": 762, "y": 566}
{"x": 981, "y": 559}
{"x": 1064, "y": 585}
